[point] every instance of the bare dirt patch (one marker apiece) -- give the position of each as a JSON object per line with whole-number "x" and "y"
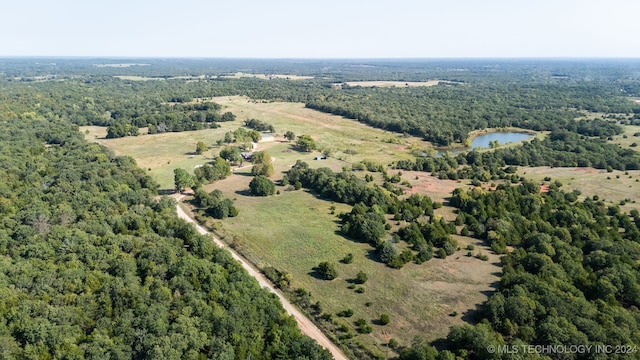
{"x": 425, "y": 184}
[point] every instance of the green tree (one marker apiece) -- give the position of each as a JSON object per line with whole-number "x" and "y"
{"x": 289, "y": 135}
{"x": 182, "y": 179}
{"x": 306, "y": 143}
{"x": 201, "y": 147}
{"x": 327, "y": 270}
{"x": 262, "y": 164}
{"x": 231, "y": 154}
{"x": 384, "y": 319}
{"x": 362, "y": 277}
{"x": 262, "y": 186}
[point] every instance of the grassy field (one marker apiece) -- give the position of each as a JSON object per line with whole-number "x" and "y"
{"x": 295, "y": 231}
{"x": 626, "y": 138}
{"x": 346, "y": 140}
{"x": 160, "y": 154}
{"x": 612, "y": 187}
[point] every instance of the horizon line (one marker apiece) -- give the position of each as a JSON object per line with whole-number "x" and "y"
{"x": 86, "y": 57}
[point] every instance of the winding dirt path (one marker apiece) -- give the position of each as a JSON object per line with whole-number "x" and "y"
{"x": 306, "y": 326}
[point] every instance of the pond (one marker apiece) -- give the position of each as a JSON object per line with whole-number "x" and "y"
{"x": 501, "y": 137}
{"x": 482, "y": 141}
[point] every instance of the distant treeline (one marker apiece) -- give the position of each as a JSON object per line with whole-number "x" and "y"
{"x": 445, "y": 114}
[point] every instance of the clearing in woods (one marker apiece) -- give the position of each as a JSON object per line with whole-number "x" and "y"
{"x": 612, "y": 187}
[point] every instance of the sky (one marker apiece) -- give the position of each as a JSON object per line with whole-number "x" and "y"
{"x": 321, "y": 29}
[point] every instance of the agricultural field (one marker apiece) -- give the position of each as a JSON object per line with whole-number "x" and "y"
{"x": 159, "y": 154}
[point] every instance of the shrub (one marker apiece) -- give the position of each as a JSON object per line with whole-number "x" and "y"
{"x": 365, "y": 329}
{"x": 327, "y": 271}
{"x": 362, "y": 277}
{"x": 385, "y": 319}
{"x": 348, "y": 259}
{"x": 345, "y": 313}
{"x": 262, "y": 186}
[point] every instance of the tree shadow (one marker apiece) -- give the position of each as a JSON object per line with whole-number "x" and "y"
{"x": 315, "y": 273}
{"x": 471, "y": 316}
{"x": 167, "y": 191}
{"x": 244, "y": 192}
{"x": 440, "y": 344}
{"x": 372, "y": 254}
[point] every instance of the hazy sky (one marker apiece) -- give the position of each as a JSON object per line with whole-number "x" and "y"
{"x": 321, "y": 29}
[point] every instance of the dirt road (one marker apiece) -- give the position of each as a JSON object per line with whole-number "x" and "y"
{"x": 306, "y": 326}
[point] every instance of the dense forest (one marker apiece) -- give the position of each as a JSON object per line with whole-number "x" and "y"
{"x": 92, "y": 265}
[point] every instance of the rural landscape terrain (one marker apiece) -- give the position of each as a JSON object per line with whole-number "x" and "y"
{"x": 317, "y": 209}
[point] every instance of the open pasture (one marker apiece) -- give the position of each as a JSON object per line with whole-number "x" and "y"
{"x": 295, "y": 231}
{"x": 346, "y": 141}
{"x": 612, "y": 187}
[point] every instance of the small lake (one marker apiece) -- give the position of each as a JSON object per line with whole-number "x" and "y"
{"x": 482, "y": 141}
{"x": 501, "y": 137}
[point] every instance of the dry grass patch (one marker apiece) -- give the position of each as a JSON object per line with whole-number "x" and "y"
{"x": 612, "y": 187}
{"x": 344, "y": 139}
{"x": 160, "y": 154}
